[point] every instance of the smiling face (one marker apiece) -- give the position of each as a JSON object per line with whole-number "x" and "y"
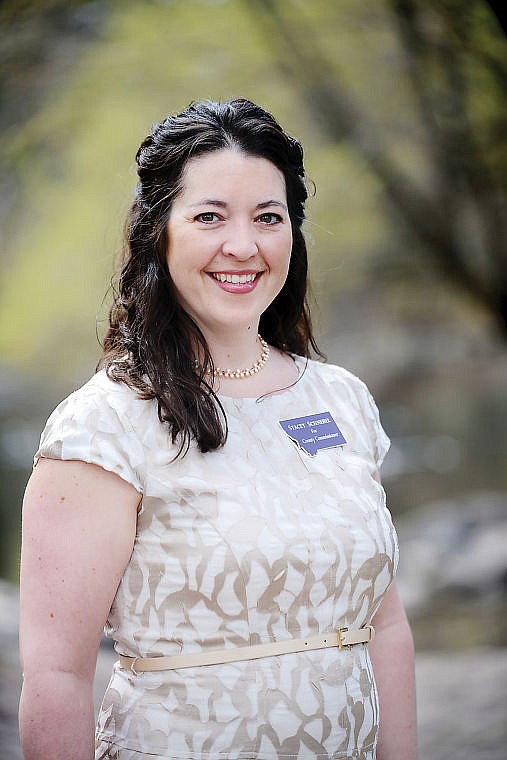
{"x": 229, "y": 239}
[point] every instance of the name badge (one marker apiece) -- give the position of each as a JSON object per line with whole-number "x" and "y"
{"x": 313, "y": 433}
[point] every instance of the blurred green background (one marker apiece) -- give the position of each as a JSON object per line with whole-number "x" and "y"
{"x": 401, "y": 107}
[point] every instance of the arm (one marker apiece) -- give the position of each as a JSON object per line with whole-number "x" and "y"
{"x": 392, "y": 655}
{"x": 79, "y": 524}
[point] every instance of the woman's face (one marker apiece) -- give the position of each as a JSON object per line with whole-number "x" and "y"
{"x": 229, "y": 239}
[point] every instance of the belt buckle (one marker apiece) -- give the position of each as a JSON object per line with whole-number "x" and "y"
{"x": 339, "y": 634}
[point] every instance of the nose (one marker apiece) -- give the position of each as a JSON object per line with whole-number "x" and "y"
{"x": 240, "y": 241}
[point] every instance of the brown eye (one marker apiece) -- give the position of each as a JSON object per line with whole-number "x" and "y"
{"x": 207, "y": 217}
{"x": 270, "y": 218}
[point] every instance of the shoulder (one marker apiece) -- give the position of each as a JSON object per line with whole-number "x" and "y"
{"x": 102, "y": 395}
{"x": 103, "y": 423}
{"x": 349, "y": 395}
{"x": 331, "y": 374}
{"x": 102, "y": 388}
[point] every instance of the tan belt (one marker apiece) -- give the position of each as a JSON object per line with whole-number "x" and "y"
{"x": 342, "y": 638}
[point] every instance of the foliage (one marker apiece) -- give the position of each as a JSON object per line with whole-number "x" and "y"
{"x": 444, "y": 68}
{"x": 71, "y": 161}
{"x": 367, "y": 89}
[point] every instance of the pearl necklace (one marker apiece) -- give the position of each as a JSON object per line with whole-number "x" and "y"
{"x": 239, "y": 374}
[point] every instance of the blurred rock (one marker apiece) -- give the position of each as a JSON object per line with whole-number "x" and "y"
{"x": 10, "y": 672}
{"x": 462, "y": 704}
{"x": 454, "y": 548}
{"x": 9, "y": 613}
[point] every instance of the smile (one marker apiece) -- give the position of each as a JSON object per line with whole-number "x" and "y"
{"x": 235, "y": 279}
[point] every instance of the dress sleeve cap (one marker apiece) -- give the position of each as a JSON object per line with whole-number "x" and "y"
{"x": 379, "y": 440}
{"x": 91, "y": 426}
{"x": 372, "y": 433}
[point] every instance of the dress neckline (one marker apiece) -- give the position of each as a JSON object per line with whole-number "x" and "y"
{"x": 301, "y": 363}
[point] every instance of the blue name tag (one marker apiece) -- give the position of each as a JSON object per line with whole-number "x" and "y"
{"x": 313, "y": 433}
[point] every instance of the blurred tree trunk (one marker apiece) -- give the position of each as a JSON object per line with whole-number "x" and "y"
{"x": 460, "y": 221}
{"x": 39, "y": 45}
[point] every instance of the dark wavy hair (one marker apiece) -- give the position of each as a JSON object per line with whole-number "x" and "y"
{"x": 151, "y": 343}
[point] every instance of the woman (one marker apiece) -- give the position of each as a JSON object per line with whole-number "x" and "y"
{"x": 213, "y": 493}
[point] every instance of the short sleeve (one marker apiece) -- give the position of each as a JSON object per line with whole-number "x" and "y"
{"x": 379, "y": 440}
{"x": 92, "y": 425}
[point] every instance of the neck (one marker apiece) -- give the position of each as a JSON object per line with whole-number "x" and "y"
{"x": 236, "y": 349}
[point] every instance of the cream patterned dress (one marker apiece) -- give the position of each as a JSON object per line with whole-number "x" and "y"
{"x": 252, "y": 543}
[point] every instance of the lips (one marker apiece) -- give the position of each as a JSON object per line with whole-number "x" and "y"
{"x": 237, "y": 283}
{"x": 235, "y": 279}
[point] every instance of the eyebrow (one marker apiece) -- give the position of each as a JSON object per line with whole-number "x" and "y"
{"x": 223, "y": 204}
{"x": 272, "y": 203}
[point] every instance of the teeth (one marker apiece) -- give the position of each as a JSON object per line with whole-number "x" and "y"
{"x": 236, "y": 279}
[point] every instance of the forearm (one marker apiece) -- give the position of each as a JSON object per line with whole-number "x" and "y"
{"x": 392, "y": 654}
{"x": 56, "y": 718}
